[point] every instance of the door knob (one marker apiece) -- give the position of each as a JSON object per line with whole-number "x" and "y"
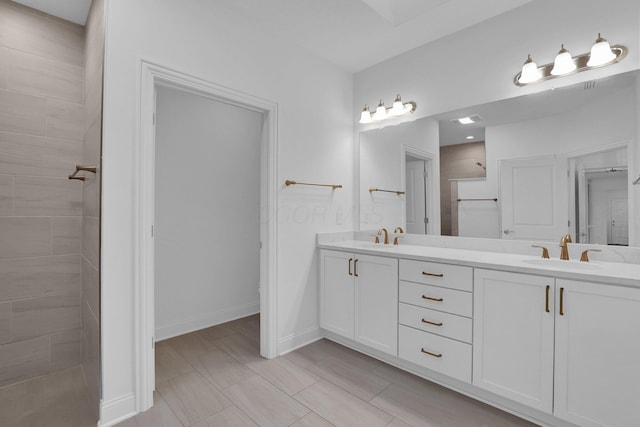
{"x": 508, "y": 231}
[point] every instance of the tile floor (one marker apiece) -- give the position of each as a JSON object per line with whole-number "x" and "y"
{"x": 59, "y": 399}
{"x": 215, "y": 377}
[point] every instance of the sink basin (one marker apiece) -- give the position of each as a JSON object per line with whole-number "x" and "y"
{"x": 370, "y": 245}
{"x": 562, "y": 264}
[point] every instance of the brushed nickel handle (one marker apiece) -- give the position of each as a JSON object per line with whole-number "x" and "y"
{"x": 561, "y": 301}
{"x": 547, "y": 299}
{"x": 424, "y": 273}
{"x": 355, "y": 268}
{"x": 350, "y": 259}
{"x": 432, "y": 299}
{"x": 432, "y": 323}
{"x": 430, "y": 353}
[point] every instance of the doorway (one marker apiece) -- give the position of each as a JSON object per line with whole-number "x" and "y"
{"x": 154, "y": 78}
{"x": 417, "y": 195}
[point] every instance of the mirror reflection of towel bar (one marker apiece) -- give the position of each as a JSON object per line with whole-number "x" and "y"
{"x": 478, "y": 200}
{"x": 80, "y": 168}
{"x": 371, "y": 190}
{"x": 637, "y": 181}
{"x": 291, "y": 182}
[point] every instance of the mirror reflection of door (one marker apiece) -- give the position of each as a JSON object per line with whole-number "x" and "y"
{"x": 618, "y": 218}
{"x": 416, "y": 197}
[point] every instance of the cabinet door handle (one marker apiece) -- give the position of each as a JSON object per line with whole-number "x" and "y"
{"x": 561, "y": 301}
{"x": 424, "y": 273}
{"x": 431, "y": 323}
{"x": 355, "y": 268}
{"x": 547, "y": 299}
{"x": 431, "y": 354}
{"x": 432, "y": 299}
{"x": 350, "y": 259}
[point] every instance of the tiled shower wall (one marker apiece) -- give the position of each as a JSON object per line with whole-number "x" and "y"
{"x": 41, "y": 132}
{"x": 94, "y": 53}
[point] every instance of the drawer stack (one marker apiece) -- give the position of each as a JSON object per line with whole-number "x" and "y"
{"x": 435, "y": 310}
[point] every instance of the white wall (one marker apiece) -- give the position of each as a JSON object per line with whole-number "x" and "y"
{"x": 207, "y": 212}
{"x": 381, "y": 158}
{"x": 605, "y": 121}
{"x": 315, "y": 143}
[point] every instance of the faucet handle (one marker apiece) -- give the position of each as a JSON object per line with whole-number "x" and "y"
{"x": 545, "y": 251}
{"x": 585, "y": 254}
{"x": 398, "y": 230}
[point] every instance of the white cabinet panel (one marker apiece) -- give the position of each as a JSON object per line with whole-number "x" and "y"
{"x": 436, "y": 298}
{"x": 337, "y": 294}
{"x": 437, "y": 322}
{"x": 597, "y": 374}
{"x": 434, "y": 273}
{"x": 513, "y": 336}
{"x": 376, "y": 309}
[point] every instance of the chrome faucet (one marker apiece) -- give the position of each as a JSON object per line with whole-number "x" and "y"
{"x": 386, "y": 235}
{"x": 564, "y": 250}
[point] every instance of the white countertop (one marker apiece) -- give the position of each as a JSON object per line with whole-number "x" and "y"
{"x": 614, "y": 273}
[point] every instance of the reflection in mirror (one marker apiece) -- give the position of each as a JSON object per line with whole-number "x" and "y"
{"x": 556, "y": 161}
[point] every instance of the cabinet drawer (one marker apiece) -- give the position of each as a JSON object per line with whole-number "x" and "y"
{"x": 437, "y": 322}
{"x": 448, "y": 357}
{"x": 436, "y": 298}
{"x": 433, "y": 273}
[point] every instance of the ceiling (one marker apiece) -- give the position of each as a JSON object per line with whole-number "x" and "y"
{"x": 353, "y": 34}
{"x": 529, "y": 107}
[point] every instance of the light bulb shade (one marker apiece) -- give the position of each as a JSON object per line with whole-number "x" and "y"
{"x": 563, "y": 63}
{"x": 601, "y": 53}
{"x": 365, "y": 116}
{"x": 530, "y": 72}
{"x": 381, "y": 112}
{"x": 398, "y": 108}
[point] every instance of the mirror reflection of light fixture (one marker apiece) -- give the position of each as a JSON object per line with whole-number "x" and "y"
{"x": 601, "y": 54}
{"x": 398, "y": 109}
{"x": 465, "y": 120}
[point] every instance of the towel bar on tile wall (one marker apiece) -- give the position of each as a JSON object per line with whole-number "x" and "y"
{"x": 80, "y": 168}
{"x": 637, "y": 181}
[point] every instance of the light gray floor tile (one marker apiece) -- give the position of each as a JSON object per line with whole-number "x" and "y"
{"x": 169, "y": 363}
{"x": 222, "y": 370}
{"x": 310, "y": 354}
{"x": 264, "y": 403}
{"x": 190, "y": 347}
{"x": 230, "y": 417}
{"x": 191, "y": 398}
{"x": 312, "y": 420}
{"x": 282, "y": 373}
{"x": 356, "y": 381}
{"x": 340, "y": 407}
{"x": 240, "y": 347}
{"x": 159, "y": 415}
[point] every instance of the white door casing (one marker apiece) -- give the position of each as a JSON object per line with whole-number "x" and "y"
{"x": 534, "y": 198}
{"x": 416, "y": 198}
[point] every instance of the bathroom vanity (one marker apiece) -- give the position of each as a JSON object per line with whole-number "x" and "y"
{"x": 555, "y": 342}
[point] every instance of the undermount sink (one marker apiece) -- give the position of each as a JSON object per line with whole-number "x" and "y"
{"x": 558, "y": 263}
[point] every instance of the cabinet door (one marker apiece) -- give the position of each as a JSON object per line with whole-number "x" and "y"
{"x": 337, "y": 292}
{"x": 377, "y": 303}
{"x": 597, "y": 378}
{"x": 513, "y": 329}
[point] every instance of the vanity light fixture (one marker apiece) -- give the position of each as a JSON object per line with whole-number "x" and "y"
{"x": 398, "y": 109}
{"x": 601, "y": 54}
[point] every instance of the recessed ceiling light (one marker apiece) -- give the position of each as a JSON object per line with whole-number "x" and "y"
{"x": 470, "y": 137}
{"x": 466, "y": 120}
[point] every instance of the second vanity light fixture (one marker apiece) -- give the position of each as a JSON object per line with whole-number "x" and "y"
{"x": 398, "y": 109}
{"x": 601, "y": 54}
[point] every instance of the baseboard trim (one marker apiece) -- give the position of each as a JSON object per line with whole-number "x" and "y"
{"x": 299, "y": 339}
{"x": 206, "y": 321}
{"x": 117, "y": 410}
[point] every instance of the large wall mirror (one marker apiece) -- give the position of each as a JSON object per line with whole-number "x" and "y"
{"x": 534, "y": 167}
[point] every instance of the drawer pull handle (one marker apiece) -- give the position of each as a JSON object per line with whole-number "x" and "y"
{"x": 350, "y": 273}
{"x": 432, "y": 323}
{"x": 561, "y": 301}
{"x": 431, "y": 354}
{"x": 432, "y": 299}
{"x": 355, "y": 268}
{"x": 547, "y": 299}
{"x": 424, "y": 273}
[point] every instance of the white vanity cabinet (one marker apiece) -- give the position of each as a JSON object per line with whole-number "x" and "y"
{"x": 359, "y": 298}
{"x": 597, "y": 354}
{"x": 568, "y": 348}
{"x": 513, "y": 327}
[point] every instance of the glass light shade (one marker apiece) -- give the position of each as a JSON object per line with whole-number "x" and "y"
{"x": 601, "y": 53}
{"x": 563, "y": 63}
{"x": 365, "y": 117}
{"x": 381, "y": 112}
{"x": 530, "y": 72}
{"x": 398, "y": 108}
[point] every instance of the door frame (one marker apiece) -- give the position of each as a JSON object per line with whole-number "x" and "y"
{"x": 430, "y": 189}
{"x": 152, "y": 75}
